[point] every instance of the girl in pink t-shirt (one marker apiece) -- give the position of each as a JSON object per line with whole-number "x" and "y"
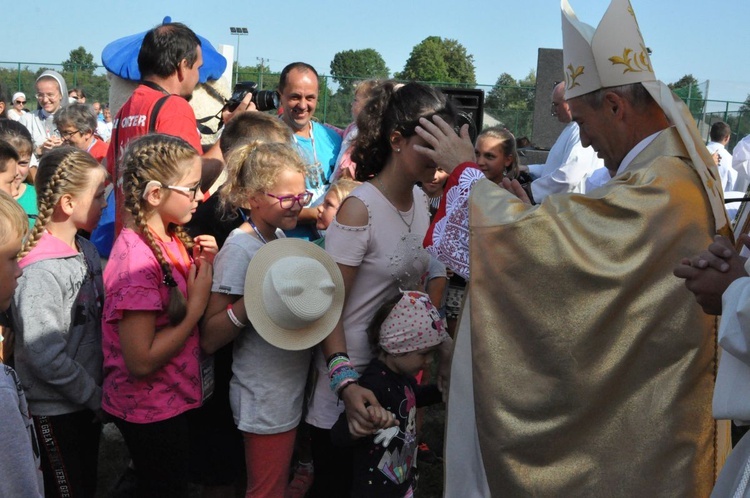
{"x": 157, "y": 284}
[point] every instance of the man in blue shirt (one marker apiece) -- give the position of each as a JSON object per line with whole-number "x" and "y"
{"x": 318, "y": 144}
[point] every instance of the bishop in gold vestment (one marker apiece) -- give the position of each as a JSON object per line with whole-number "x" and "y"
{"x": 591, "y": 366}
{"x": 583, "y": 366}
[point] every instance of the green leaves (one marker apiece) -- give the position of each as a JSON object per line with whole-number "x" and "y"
{"x": 440, "y": 60}
{"x": 350, "y": 66}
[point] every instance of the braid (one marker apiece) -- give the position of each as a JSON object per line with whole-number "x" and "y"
{"x": 64, "y": 170}
{"x": 158, "y": 158}
{"x": 45, "y": 213}
{"x": 177, "y": 307}
{"x": 184, "y": 237}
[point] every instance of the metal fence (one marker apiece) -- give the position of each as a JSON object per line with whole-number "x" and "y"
{"x": 334, "y": 105}
{"x": 733, "y": 113}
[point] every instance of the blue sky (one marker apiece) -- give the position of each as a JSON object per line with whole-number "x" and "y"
{"x": 686, "y": 36}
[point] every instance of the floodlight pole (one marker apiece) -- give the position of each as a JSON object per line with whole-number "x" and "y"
{"x": 238, "y": 31}
{"x": 262, "y": 68}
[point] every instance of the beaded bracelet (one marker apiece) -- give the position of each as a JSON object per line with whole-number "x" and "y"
{"x": 335, "y": 358}
{"x": 233, "y": 318}
{"x": 342, "y": 377}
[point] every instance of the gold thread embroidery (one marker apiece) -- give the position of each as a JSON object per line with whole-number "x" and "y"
{"x": 573, "y": 74}
{"x": 640, "y": 61}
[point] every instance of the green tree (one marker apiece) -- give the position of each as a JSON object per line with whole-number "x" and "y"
{"x": 351, "y": 65}
{"x": 262, "y": 75}
{"x": 689, "y": 90}
{"x": 739, "y": 121}
{"x": 440, "y": 60}
{"x": 500, "y": 96}
{"x": 460, "y": 63}
{"x": 511, "y": 102}
{"x": 79, "y": 61}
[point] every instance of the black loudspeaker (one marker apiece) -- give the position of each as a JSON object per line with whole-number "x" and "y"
{"x": 469, "y": 102}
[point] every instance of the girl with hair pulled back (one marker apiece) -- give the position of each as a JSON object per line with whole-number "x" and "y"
{"x": 57, "y": 320}
{"x": 267, "y": 387}
{"x": 497, "y": 156}
{"x": 393, "y": 108}
{"x": 376, "y": 239}
{"x": 157, "y": 284}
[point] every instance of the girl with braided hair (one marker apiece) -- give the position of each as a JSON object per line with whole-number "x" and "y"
{"x": 57, "y": 320}
{"x": 157, "y": 284}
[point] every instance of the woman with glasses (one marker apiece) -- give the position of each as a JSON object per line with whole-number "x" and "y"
{"x": 51, "y": 95}
{"x": 17, "y": 107}
{"x": 376, "y": 239}
{"x": 77, "y": 127}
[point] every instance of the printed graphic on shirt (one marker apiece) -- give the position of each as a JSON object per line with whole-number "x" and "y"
{"x": 398, "y": 459}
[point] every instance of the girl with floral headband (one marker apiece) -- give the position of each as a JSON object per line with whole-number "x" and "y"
{"x": 404, "y": 334}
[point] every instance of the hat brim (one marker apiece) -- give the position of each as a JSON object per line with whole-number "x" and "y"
{"x": 296, "y": 339}
{"x": 120, "y": 57}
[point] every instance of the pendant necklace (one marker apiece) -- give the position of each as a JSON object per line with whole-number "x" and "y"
{"x": 413, "y": 208}
{"x": 316, "y": 176}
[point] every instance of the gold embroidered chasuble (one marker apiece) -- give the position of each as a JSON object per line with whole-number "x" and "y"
{"x": 593, "y": 367}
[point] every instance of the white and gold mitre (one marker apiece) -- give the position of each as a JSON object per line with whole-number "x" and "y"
{"x": 613, "y": 54}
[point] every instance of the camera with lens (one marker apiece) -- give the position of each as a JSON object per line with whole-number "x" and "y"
{"x": 264, "y": 100}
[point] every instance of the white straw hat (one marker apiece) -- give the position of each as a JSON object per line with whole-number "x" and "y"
{"x": 294, "y": 293}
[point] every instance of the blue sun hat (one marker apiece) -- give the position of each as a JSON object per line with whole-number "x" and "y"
{"x": 120, "y": 57}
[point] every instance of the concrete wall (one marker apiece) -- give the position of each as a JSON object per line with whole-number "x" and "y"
{"x": 549, "y": 69}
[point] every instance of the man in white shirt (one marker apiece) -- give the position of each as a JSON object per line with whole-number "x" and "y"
{"x": 720, "y": 135}
{"x": 741, "y": 164}
{"x": 569, "y": 163}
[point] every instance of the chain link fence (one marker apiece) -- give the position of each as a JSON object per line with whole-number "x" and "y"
{"x": 334, "y": 105}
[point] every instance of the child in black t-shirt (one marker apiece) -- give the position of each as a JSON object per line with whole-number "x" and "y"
{"x": 405, "y": 332}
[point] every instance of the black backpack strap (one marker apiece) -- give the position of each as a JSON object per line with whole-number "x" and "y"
{"x": 155, "y": 113}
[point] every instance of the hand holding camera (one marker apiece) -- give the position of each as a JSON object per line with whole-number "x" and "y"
{"x": 247, "y": 97}
{"x": 264, "y": 100}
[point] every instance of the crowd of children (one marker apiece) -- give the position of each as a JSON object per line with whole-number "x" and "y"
{"x": 140, "y": 344}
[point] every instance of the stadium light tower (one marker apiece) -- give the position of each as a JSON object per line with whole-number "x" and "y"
{"x": 237, "y": 32}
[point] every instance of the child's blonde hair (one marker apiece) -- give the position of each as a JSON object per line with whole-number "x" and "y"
{"x": 63, "y": 170}
{"x": 343, "y": 187}
{"x": 160, "y": 158}
{"x": 254, "y": 167}
{"x": 13, "y": 220}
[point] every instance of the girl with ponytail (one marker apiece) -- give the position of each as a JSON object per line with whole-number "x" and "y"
{"x": 376, "y": 239}
{"x": 57, "y": 320}
{"x": 157, "y": 284}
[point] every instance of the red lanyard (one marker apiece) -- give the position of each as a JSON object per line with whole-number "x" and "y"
{"x": 182, "y": 266}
